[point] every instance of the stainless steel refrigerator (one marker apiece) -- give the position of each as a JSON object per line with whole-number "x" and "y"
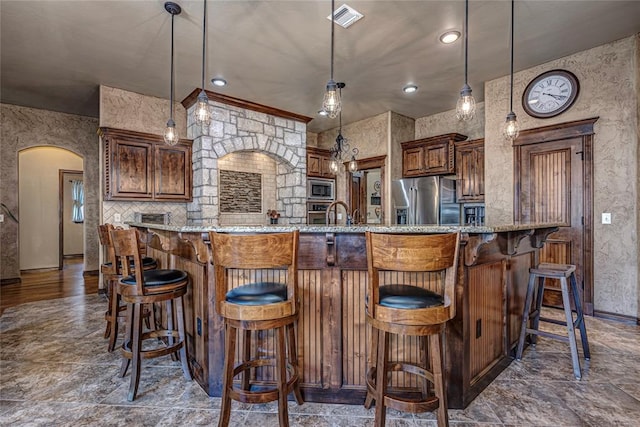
{"x": 427, "y": 200}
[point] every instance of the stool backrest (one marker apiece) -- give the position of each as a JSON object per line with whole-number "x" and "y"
{"x": 128, "y": 259}
{"x": 243, "y": 258}
{"x": 404, "y": 257}
{"x": 107, "y": 248}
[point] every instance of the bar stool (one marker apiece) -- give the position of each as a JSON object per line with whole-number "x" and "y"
{"x": 111, "y": 272}
{"x": 256, "y": 290}
{"x": 137, "y": 287}
{"x": 411, "y": 292}
{"x": 561, "y": 272}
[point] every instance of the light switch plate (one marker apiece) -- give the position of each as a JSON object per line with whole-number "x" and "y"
{"x": 117, "y": 218}
{"x": 606, "y": 218}
{"x": 1, "y": 218}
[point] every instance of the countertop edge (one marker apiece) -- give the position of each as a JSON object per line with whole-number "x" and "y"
{"x": 343, "y": 228}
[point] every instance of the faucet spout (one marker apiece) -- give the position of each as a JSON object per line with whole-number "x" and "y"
{"x": 334, "y": 206}
{"x": 356, "y": 218}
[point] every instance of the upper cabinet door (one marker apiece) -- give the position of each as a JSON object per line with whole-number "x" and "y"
{"x": 318, "y": 163}
{"x": 430, "y": 156}
{"x": 172, "y": 172}
{"x": 139, "y": 166}
{"x": 470, "y": 171}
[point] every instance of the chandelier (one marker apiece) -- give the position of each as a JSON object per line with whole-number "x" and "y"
{"x": 342, "y": 149}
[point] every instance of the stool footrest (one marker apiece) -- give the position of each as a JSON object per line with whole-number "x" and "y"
{"x": 264, "y": 395}
{"x": 547, "y": 334}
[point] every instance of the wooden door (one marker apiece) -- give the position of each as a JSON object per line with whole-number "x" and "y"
{"x": 553, "y": 185}
{"x": 356, "y": 198}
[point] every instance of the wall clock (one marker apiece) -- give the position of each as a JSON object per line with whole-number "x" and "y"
{"x": 550, "y": 94}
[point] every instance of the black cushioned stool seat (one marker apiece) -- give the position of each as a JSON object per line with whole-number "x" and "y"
{"x": 256, "y": 282}
{"x": 409, "y": 309}
{"x": 138, "y": 287}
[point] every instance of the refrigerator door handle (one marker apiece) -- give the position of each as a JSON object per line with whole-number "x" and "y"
{"x": 412, "y": 205}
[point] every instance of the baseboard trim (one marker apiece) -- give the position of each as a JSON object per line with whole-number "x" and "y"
{"x": 622, "y": 318}
{"x": 10, "y": 281}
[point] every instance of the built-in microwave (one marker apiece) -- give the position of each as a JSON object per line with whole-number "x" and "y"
{"x": 321, "y": 189}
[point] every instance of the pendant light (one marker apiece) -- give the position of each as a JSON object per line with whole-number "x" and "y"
{"x": 342, "y": 147}
{"x": 202, "y": 113}
{"x": 331, "y": 102}
{"x": 170, "y": 133}
{"x": 466, "y": 106}
{"x": 511, "y": 127}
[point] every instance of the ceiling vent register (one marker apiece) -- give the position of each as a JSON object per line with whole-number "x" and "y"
{"x": 345, "y": 16}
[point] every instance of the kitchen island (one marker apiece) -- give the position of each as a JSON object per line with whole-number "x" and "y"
{"x": 333, "y": 339}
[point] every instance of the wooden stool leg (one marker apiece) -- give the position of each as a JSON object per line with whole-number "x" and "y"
{"x": 293, "y": 360}
{"x": 171, "y": 327}
{"x": 184, "y": 352}
{"x": 525, "y": 316}
{"x": 580, "y": 320}
{"x": 373, "y": 357}
{"x": 570, "y": 328}
{"x": 281, "y": 374}
{"x": 435, "y": 352}
{"x": 424, "y": 362}
{"x": 113, "y": 321}
{"x": 128, "y": 339}
{"x": 136, "y": 346}
{"x": 246, "y": 356}
{"x": 381, "y": 378}
{"x": 109, "y": 313}
{"x": 227, "y": 382}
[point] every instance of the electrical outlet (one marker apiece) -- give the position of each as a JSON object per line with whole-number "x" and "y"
{"x": 339, "y": 216}
{"x": 117, "y": 218}
{"x": 1, "y": 218}
{"x": 606, "y": 218}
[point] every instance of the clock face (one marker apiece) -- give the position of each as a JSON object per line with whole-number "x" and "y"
{"x": 550, "y": 94}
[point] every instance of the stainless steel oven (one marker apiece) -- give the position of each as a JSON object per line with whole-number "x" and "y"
{"x": 321, "y": 189}
{"x": 317, "y": 212}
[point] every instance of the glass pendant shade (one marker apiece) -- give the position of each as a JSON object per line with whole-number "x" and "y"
{"x": 466, "y": 106}
{"x": 170, "y": 133}
{"x": 353, "y": 164}
{"x": 511, "y": 128}
{"x": 333, "y": 165}
{"x": 331, "y": 102}
{"x": 202, "y": 113}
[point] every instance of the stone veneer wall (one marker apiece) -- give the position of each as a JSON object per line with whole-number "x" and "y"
{"x": 121, "y": 109}
{"x": 232, "y": 130}
{"x": 245, "y": 161}
{"x": 23, "y": 128}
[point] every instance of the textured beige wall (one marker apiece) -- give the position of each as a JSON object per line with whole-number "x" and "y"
{"x": 121, "y": 109}
{"x": 447, "y": 122}
{"x": 38, "y": 204}
{"x": 609, "y": 89}
{"x": 375, "y": 136}
{"x": 24, "y": 128}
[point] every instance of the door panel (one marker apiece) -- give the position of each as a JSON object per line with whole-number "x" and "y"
{"x": 551, "y": 191}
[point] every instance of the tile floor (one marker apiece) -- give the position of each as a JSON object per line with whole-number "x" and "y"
{"x": 55, "y": 371}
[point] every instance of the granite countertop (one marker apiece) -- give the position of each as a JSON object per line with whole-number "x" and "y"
{"x": 344, "y": 228}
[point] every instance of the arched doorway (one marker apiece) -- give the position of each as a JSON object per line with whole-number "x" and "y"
{"x": 38, "y": 195}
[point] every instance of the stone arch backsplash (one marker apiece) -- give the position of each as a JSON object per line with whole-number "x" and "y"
{"x": 234, "y": 130}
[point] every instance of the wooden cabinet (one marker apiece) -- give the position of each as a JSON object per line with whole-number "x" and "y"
{"x": 318, "y": 161}
{"x": 140, "y": 166}
{"x": 430, "y": 156}
{"x": 470, "y": 171}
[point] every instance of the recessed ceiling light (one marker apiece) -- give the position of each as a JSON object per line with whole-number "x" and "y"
{"x": 410, "y": 89}
{"x": 219, "y": 82}
{"x": 450, "y": 37}
{"x": 322, "y": 113}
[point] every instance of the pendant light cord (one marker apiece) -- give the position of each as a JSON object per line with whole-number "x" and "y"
{"x": 512, "y": 15}
{"x": 466, "y": 38}
{"x": 332, "y": 37}
{"x": 171, "y": 94}
{"x": 204, "y": 39}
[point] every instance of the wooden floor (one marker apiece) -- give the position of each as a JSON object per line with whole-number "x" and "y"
{"x": 48, "y": 284}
